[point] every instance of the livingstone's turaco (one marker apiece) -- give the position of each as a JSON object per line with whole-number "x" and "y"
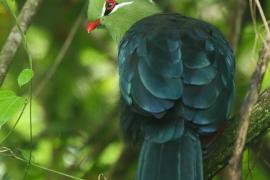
{"x": 176, "y": 82}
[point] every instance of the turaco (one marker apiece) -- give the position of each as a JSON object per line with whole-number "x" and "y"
{"x": 176, "y": 82}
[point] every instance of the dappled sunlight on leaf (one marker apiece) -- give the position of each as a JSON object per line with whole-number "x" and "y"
{"x": 266, "y": 80}
{"x": 38, "y": 121}
{"x": 111, "y": 154}
{"x": 43, "y": 153}
{"x": 10, "y": 104}
{"x": 25, "y": 76}
{"x": 39, "y": 42}
{"x": 90, "y": 56}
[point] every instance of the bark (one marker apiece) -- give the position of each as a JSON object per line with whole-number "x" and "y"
{"x": 259, "y": 125}
{"x": 249, "y": 101}
{"x": 14, "y": 39}
{"x": 62, "y": 53}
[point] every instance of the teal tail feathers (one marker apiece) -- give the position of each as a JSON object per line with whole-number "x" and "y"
{"x": 178, "y": 159}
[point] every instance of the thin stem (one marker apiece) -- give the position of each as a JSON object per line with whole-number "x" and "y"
{"x": 62, "y": 52}
{"x": 15, "y": 125}
{"x": 13, "y": 155}
{"x": 250, "y": 100}
{"x": 30, "y": 131}
{"x": 263, "y": 16}
{"x": 30, "y": 60}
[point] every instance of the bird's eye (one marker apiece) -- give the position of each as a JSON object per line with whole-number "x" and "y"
{"x": 109, "y": 5}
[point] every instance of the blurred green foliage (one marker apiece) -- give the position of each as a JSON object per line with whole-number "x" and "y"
{"x": 75, "y": 116}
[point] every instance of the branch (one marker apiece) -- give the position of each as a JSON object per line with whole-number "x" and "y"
{"x": 235, "y": 170}
{"x": 237, "y": 19}
{"x": 259, "y": 125}
{"x": 62, "y": 52}
{"x": 14, "y": 39}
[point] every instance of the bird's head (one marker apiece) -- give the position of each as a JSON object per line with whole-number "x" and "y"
{"x": 117, "y": 15}
{"x": 99, "y": 9}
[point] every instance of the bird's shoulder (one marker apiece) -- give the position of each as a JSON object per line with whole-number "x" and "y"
{"x": 167, "y": 60}
{"x": 189, "y": 31}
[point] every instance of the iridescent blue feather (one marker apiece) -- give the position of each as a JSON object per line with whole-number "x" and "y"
{"x": 177, "y": 83}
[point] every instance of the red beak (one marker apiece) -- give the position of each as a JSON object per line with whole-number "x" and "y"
{"x": 92, "y": 25}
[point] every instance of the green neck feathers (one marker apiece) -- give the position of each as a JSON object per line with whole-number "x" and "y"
{"x": 120, "y": 21}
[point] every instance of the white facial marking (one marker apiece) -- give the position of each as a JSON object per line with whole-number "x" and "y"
{"x": 104, "y": 9}
{"x": 118, "y": 6}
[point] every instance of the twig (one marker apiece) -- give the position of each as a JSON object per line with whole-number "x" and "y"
{"x": 250, "y": 100}
{"x": 102, "y": 177}
{"x": 62, "y": 52}
{"x": 237, "y": 19}
{"x": 14, "y": 39}
{"x": 265, "y": 23}
{"x": 30, "y": 60}
{"x": 9, "y": 152}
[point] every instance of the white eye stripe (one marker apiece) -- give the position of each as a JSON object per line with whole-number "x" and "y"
{"x": 104, "y": 9}
{"x": 118, "y": 6}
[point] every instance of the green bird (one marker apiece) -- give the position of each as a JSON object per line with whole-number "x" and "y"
{"x": 176, "y": 82}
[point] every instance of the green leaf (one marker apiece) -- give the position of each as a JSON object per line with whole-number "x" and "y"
{"x": 9, "y": 105}
{"x": 25, "y": 76}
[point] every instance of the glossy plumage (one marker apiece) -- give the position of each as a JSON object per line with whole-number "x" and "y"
{"x": 177, "y": 83}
